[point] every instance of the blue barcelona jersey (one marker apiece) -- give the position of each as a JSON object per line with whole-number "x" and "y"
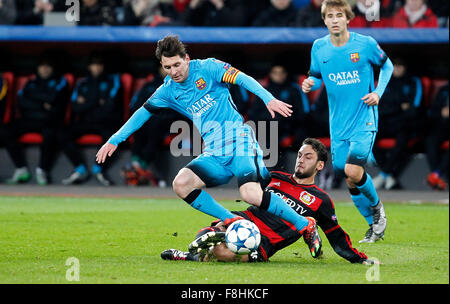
{"x": 348, "y": 75}
{"x": 205, "y": 99}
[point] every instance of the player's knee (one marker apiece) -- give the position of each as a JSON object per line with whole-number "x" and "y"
{"x": 181, "y": 184}
{"x": 353, "y": 172}
{"x": 251, "y": 193}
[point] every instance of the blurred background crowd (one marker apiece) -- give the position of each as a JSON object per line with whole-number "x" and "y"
{"x": 61, "y": 109}
{"x": 267, "y": 13}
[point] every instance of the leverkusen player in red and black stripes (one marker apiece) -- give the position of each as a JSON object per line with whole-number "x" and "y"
{"x": 300, "y": 193}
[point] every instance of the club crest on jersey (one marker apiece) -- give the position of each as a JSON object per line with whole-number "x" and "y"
{"x": 200, "y": 83}
{"x": 307, "y": 198}
{"x": 354, "y": 57}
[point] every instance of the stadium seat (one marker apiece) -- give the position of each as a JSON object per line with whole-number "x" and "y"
{"x": 19, "y": 84}
{"x": 436, "y": 85}
{"x": 287, "y": 141}
{"x": 426, "y": 88}
{"x": 9, "y": 78}
{"x": 389, "y": 143}
{"x": 138, "y": 83}
{"x": 126, "y": 81}
{"x": 71, "y": 81}
{"x": 326, "y": 141}
{"x": 127, "y": 84}
{"x": 31, "y": 138}
{"x": 34, "y": 138}
{"x": 90, "y": 139}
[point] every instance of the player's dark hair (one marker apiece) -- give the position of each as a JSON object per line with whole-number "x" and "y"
{"x": 170, "y": 46}
{"x": 319, "y": 147}
{"x": 342, "y": 4}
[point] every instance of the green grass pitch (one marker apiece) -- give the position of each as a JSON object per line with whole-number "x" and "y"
{"x": 120, "y": 241}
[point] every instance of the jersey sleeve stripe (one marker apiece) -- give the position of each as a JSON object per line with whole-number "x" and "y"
{"x": 230, "y": 75}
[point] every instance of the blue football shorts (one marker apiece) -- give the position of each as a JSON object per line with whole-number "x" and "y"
{"x": 241, "y": 157}
{"x": 356, "y": 150}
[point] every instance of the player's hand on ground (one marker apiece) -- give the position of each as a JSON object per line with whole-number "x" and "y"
{"x": 105, "y": 151}
{"x": 307, "y": 84}
{"x": 371, "y": 262}
{"x": 279, "y": 107}
{"x": 371, "y": 99}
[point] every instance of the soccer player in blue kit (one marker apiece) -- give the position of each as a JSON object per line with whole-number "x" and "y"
{"x": 344, "y": 62}
{"x": 198, "y": 89}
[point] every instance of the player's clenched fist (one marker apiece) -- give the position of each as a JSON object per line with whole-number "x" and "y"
{"x": 307, "y": 84}
{"x": 105, "y": 151}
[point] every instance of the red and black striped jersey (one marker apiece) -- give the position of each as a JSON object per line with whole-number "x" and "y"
{"x": 306, "y": 200}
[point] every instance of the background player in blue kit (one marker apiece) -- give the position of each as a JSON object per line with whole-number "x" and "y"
{"x": 198, "y": 89}
{"x": 344, "y": 62}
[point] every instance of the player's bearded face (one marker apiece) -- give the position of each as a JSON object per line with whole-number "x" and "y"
{"x": 306, "y": 164}
{"x": 176, "y": 67}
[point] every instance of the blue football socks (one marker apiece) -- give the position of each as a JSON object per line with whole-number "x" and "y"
{"x": 362, "y": 203}
{"x": 279, "y": 207}
{"x": 202, "y": 201}
{"x": 368, "y": 189}
{"x": 81, "y": 169}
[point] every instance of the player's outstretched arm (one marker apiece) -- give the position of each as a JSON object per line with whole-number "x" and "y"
{"x": 134, "y": 123}
{"x": 105, "y": 151}
{"x": 273, "y": 104}
{"x": 280, "y": 107}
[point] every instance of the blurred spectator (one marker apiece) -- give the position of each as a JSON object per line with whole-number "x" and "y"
{"x": 280, "y": 13}
{"x": 300, "y": 3}
{"x": 3, "y": 92}
{"x": 292, "y": 130}
{"x": 180, "y": 5}
{"x": 369, "y": 13}
{"x": 32, "y": 11}
{"x": 150, "y": 13}
{"x": 310, "y": 15}
{"x": 8, "y": 12}
{"x": 215, "y": 13}
{"x": 148, "y": 140}
{"x": 253, "y": 8}
{"x": 97, "y": 108}
{"x": 415, "y": 14}
{"x": 319, "y": 116}
{"x": 400, "y": 117}
{"x": 440, "y": 9}
{"x": 437, "y": 134}
{"x": 98, "y": 12}
{"x": 389, "y": 8}
{"x": 41, "y": 107}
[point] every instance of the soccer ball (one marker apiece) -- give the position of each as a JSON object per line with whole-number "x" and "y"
{"x": 242, "y": 237}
